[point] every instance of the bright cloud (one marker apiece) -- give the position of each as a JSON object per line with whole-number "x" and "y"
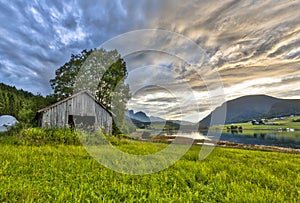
{"x": 253, "y": 45}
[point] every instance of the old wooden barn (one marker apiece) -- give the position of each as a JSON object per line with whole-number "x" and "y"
{"x": 78, "y": 110}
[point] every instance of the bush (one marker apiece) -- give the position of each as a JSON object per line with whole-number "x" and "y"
{"x": 21, "y": 135}
{"x": 42, "y": 136}
{"x": 92, "y": 138}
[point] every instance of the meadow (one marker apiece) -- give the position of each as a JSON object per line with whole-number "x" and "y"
{"x": 41, "y": 170}
{"x": 288, "y": 122}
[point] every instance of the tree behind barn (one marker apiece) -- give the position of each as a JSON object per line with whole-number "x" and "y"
{"x": 65, "y": 76}
{"x": 103, "y": 74}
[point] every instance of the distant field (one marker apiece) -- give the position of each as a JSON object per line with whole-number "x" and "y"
{"x": 66, "y": 173}
{"x": 283, "y": 124}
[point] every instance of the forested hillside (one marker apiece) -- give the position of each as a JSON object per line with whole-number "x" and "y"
{"x": 251, "y": 107}
{"x": 20, "y": 104}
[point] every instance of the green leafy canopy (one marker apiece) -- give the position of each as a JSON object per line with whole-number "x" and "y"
{"x": 100, "y": 72}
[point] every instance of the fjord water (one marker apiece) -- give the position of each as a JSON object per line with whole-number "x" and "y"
{"x": 264, "y": 137}
{"x": 249, "y": 137}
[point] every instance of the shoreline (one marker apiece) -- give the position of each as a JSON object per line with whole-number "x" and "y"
{"x": 227, "y": 144}
{"x": 258, "y": 147}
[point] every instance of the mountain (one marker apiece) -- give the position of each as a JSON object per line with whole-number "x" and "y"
{"x": 284, "y": 108}
{"x": 254, "y": 107}
{"x": 138, "y": 116}
{"x": 157, "y": 119}
{"x": 142, "y": 120}
{"x": 139, "y": 119}
{"x": 179, "y": 122}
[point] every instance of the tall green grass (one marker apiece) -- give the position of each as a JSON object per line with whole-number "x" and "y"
{"x": 41, "y": 136}
{"x": 52, "y": 136}
{"x": 66, "y": 173}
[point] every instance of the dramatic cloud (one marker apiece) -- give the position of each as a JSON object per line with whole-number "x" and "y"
{"x": 37, "y": 37}
{"x": 253, "y": 45}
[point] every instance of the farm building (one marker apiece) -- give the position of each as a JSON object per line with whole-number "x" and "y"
{"x": 78, "y": 110}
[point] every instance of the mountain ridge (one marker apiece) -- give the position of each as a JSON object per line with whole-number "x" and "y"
{"x": 250, "y": 107}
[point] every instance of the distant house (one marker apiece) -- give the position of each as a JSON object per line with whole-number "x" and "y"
{"x": 270, "y": 123}
{"x": 257, "y": 122}
{"x": 78, "y": 110}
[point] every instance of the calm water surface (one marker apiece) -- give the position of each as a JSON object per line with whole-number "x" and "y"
{"x": 269, "y": 138}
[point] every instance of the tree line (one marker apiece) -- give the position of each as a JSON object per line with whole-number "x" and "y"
{"x": 20, "y": 104}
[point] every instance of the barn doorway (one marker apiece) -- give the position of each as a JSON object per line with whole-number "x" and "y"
{"x": 81, "y": 121}
{"x": 71, "y": 122}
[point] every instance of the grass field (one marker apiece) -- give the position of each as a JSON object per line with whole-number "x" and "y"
{"x": 66, "y": 173}
{"x": 283, "y": 124}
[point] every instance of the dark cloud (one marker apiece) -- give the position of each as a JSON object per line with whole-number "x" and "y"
{"x": 252, "y": 45}
{"x": 37, "y": 37}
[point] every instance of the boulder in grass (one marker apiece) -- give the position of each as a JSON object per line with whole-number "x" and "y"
{"x": 7, "y": 122}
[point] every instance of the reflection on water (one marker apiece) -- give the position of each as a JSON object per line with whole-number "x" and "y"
{"x": 240, "y": 136}
{"x": 264, "y": 138}
{"x": 267, "y": 138}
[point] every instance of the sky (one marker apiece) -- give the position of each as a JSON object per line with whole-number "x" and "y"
{"x": 253, "y": 45}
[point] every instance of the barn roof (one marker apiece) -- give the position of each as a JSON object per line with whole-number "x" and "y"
{"x": 74, "y": 95}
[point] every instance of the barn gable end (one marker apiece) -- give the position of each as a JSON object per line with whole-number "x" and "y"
{"x": 78, "y": 110}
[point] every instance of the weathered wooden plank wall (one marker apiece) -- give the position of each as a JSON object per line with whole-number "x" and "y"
{"x": 79, "y": 105}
